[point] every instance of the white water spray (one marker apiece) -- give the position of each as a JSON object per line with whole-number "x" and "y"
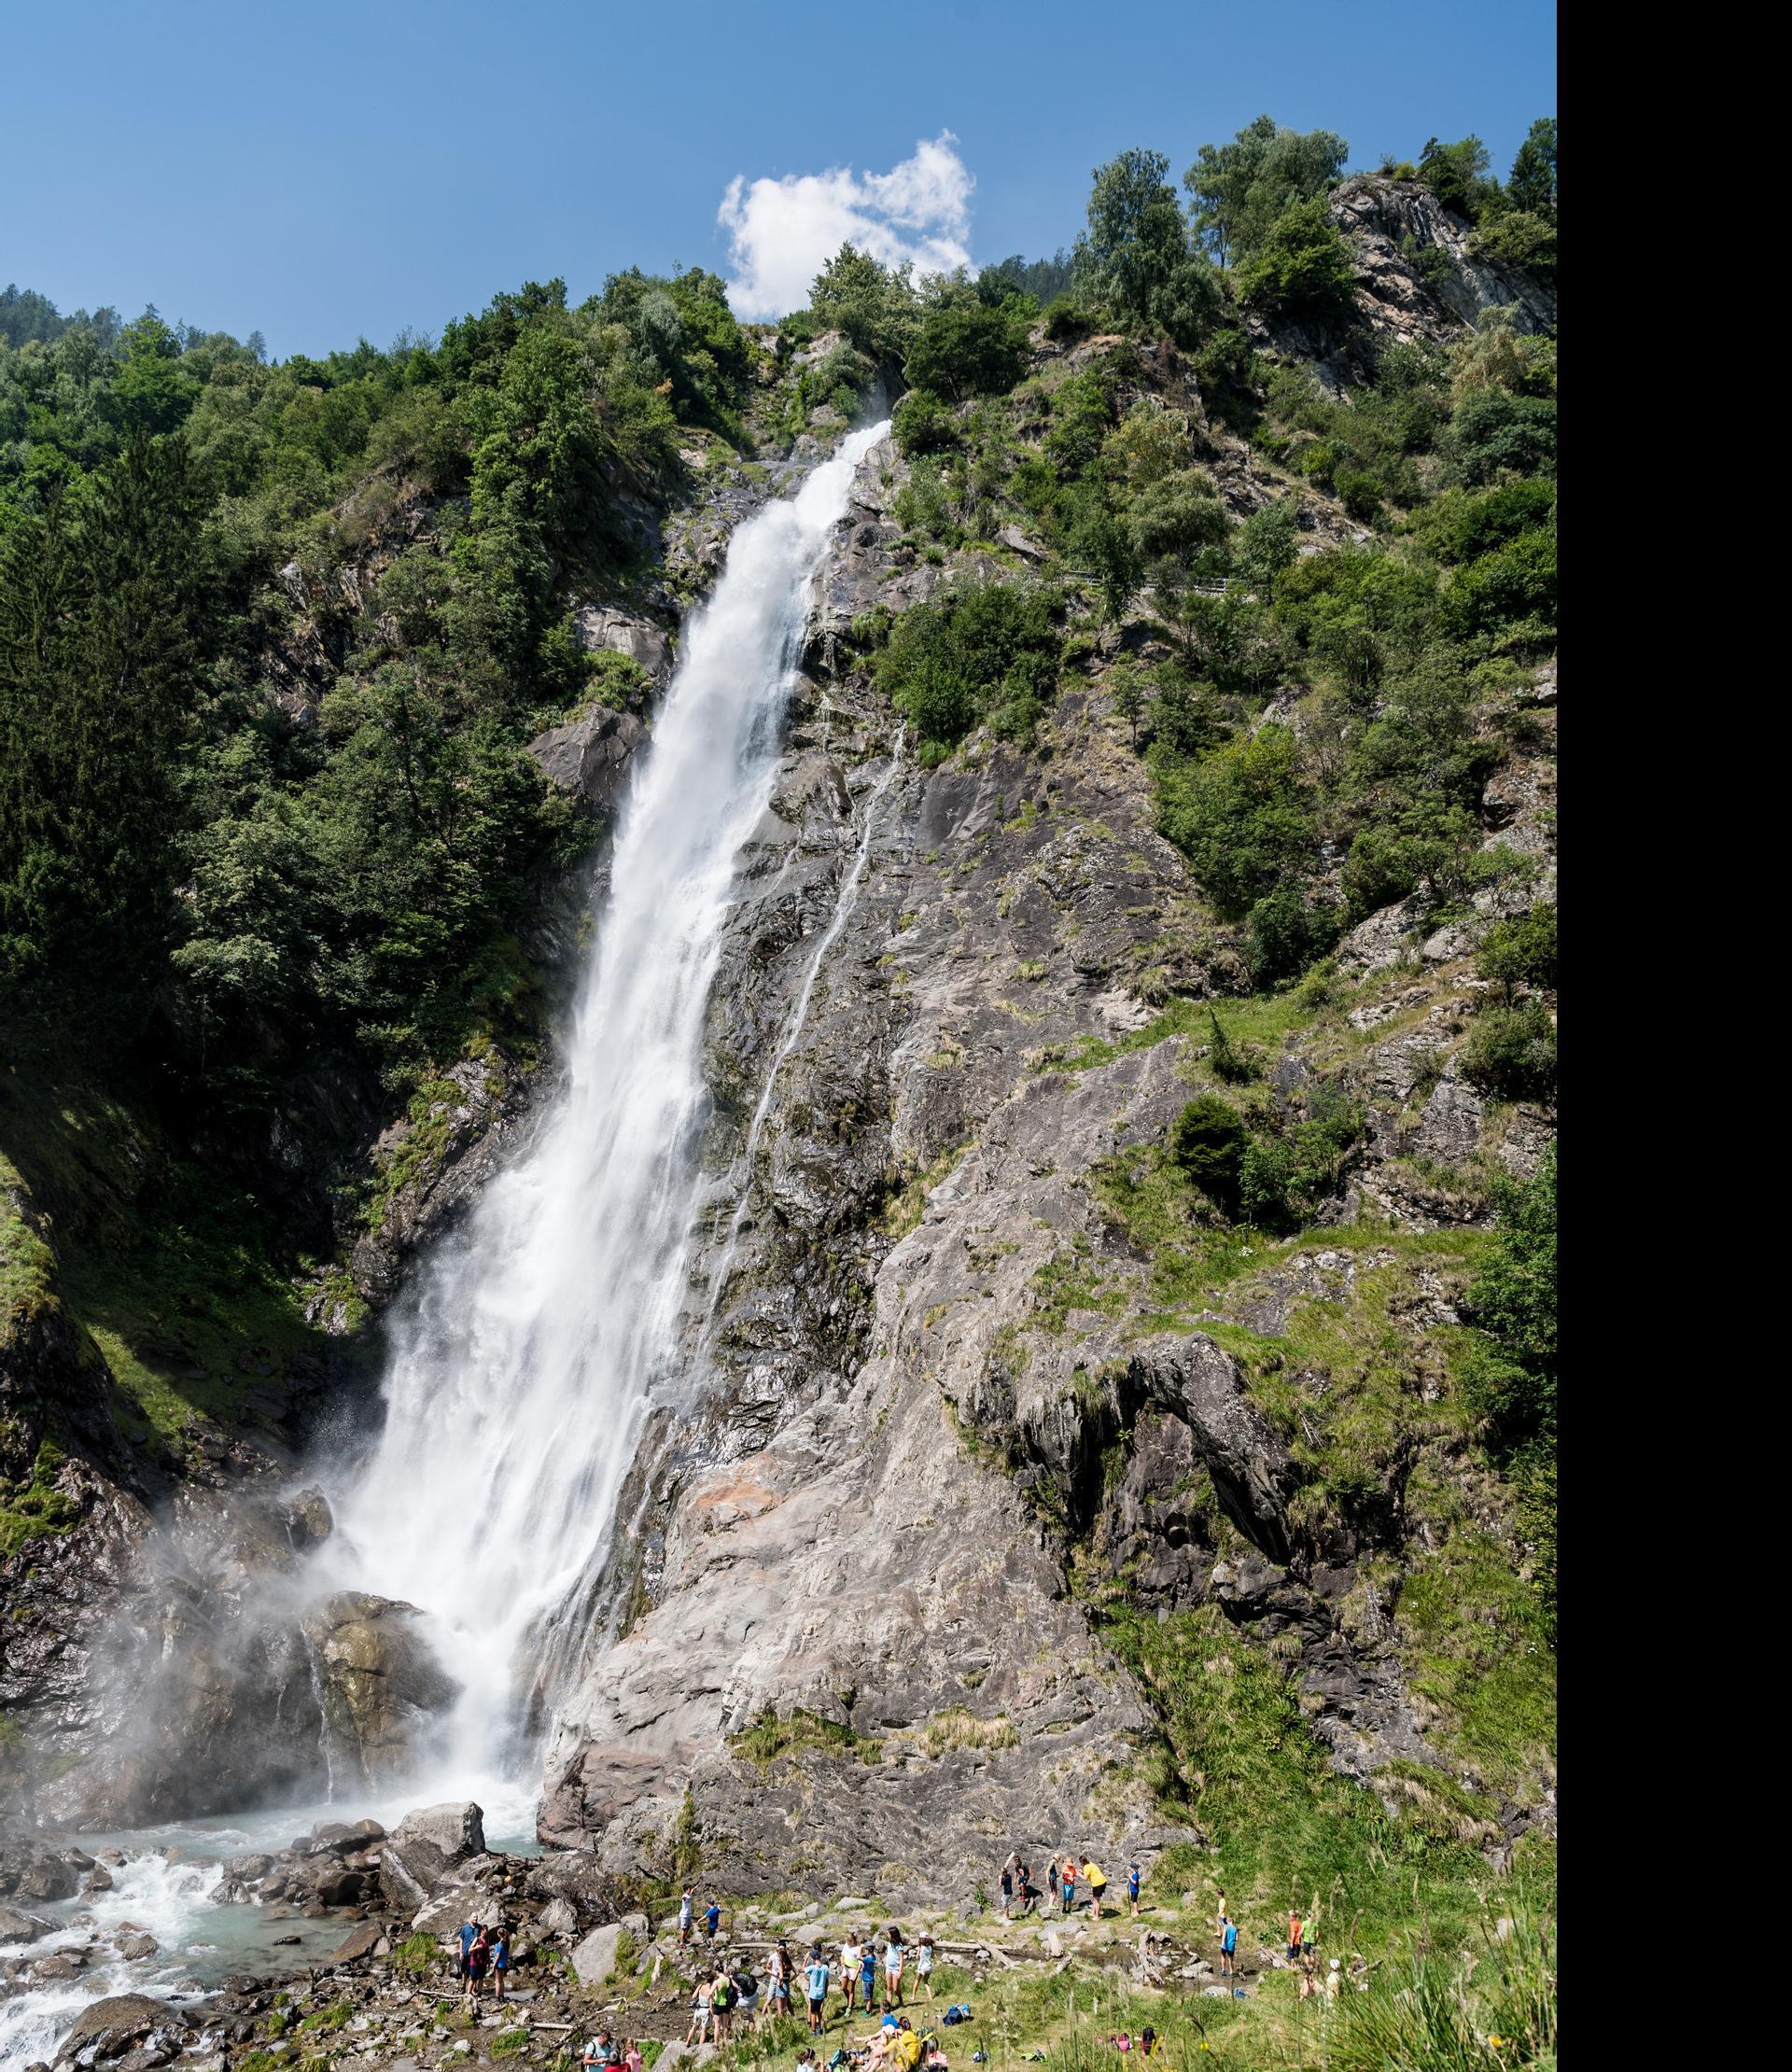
{"x": 522, "y": 1366}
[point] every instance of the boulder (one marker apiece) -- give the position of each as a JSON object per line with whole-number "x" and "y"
{"x": 17, "y": 1926}
{"x": 359, "y": 1943}
{"x": 379, "y": 1681}
{"x": 454, "y": 1830}
{"x": 603, "y": 627}
{"x": 575, "y": 1876}
{"x": 595, "y": 1959}
{"x": 590, "y": 757}
{"x": 557, "y": 1919}
{"x": 425, "y": 1846}
{"x": 110, "y": 2026}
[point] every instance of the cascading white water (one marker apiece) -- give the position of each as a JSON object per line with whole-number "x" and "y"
{"x": 521, "y": 1366}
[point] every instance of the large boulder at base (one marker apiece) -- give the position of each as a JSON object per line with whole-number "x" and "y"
{"x": 424, "y": 1847}
{"x": 380, "y": 1681}
{"x": 110, "y": 2026}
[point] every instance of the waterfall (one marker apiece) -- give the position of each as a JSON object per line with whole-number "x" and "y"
{"x": 522, "y": 1364}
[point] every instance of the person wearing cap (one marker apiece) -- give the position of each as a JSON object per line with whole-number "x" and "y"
{"x": 1334, "y": 1982}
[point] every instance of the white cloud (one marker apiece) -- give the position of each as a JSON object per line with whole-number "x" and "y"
{"x": 782, "y": 232}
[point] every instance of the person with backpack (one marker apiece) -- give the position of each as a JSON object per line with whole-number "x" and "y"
{"x": 1098, "y": 1879}
{"x": 924, "y": 1962}
{"x": 596, "y": 2052}
{"x": 1228, "y": 1947}
{"x": 816, "y": 1978}
{"x": 744, "y": 2001}
{"x": 1135, "y": 1879}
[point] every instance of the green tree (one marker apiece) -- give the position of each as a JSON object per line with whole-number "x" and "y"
{"x": 961, "y": 351}
{"x": 100, "y": 627}
{"x": 1456, "y": 174}
{"x": 1242, "y": 818}
{"x": 1302, "y": 269}
{"x": 1238, "y": 189}
{"x": 872, "y": 305}
{"x": 1136, "y": 253}
{"x": 1522, "y": 951}
{"x": 1207, "y": 1141}
{"x": 1532, "y": 184}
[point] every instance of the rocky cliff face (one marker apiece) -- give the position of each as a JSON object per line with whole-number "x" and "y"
{"x": 954, "y": 1376}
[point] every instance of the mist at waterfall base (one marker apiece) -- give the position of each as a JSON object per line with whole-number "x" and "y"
{"x": 526, "y": 1357}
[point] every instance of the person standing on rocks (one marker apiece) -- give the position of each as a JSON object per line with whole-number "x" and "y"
{"x": 895, "y": 1958}
{"x": 500, "y": 1960}
{"x": 711, "y": 1920}
{"x": 1067, "y": 1874}
{"x": 478, "y": 1958}
{"x": 1228, "y": 1947}
{"x": 851, "y": 1955}
{"x": 697, "y": 2034}
{"x": 469, "y": 1936}
{"x": 1098, "y": 1882}
{"x": 721, "y": 2003}
{"x": 816, "y": 1980}
{"x": 1024, "y": 1886}
{"x": 778, "y": 1986}
{"x": 687, "y": 1914}
{"x": 1007, "y": 1880}
{"x": 1135, "y": 1879}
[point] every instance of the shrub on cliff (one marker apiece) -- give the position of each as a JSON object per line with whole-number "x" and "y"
{"x": 987, "y": 652}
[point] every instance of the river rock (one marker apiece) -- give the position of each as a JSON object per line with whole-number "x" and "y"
{"x": 426, "y": 1843}
{"x": 557, "y": 1919}
{"x": 17, "y": 1926}
{"x": 110, "y": 2026}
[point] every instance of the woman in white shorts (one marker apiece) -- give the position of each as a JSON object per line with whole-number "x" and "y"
{"x": 895, "y": 1957}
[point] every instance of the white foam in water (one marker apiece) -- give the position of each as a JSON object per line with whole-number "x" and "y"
{"x": 167, "y": 1900}
{"x": 523, "y": 1363}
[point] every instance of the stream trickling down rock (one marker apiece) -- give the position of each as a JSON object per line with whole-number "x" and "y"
{"x": 525, "y": 1356}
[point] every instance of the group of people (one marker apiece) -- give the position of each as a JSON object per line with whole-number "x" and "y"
{"x": 1303, "y": 1953}
{"x": 1062, "y": 1874}
{"x": 605, "y": 2052}
{"x": 735, "y": 1998}
{"x": 485, "y": 1953}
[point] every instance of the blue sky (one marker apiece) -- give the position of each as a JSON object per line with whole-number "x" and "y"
{"x": 325, "y": 171}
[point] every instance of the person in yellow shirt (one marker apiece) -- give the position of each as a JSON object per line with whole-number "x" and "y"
{"x": 1098, "y": 1885}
